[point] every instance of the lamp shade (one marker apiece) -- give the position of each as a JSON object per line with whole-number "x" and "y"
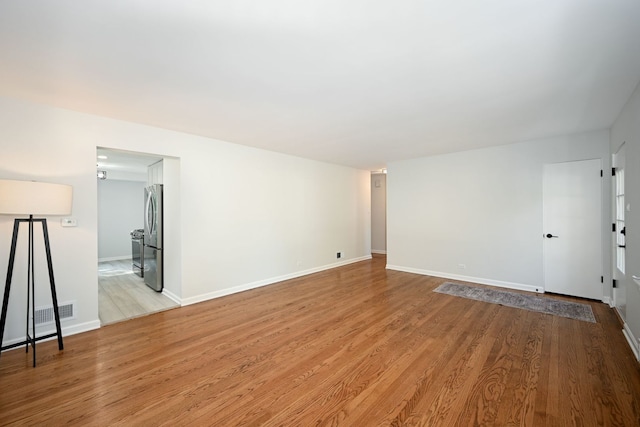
{"x": 34, "y": 198}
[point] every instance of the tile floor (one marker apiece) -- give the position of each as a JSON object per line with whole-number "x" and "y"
{"x": 123, "y": 295}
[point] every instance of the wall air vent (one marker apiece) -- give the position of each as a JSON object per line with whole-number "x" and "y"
{"x": 44, "y": 315}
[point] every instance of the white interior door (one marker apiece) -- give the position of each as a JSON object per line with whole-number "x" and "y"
{"x": 572, "y": 233}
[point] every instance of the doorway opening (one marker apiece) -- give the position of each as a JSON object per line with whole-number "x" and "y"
{"x": 123, "y": 178}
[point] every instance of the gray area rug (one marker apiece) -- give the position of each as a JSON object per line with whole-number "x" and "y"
{"x": 540, "y": 304}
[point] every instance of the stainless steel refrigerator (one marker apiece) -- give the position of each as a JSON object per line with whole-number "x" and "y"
{"x": 153, "y": 237}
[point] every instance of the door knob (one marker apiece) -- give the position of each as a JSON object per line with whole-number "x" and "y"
{"x": 549, "y": 236}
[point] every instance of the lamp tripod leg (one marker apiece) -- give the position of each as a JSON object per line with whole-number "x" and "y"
{"x": 31, "y": 295}
{"x": 7, "y": 285}
{"x": 52, "y": 283}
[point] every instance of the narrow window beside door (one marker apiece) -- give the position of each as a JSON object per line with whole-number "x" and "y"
{"x": 620, "y": 230}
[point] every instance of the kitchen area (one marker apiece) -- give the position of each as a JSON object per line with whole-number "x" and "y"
{"x": 130, "y": 236}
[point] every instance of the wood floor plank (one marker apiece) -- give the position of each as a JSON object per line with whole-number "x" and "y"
{"x": 518, "y": 406}
{"x": 357, "y": 345}
{"x": 452, "y": 381}
{"x": 487, "y": 388}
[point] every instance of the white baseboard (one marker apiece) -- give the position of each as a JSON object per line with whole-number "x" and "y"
{"x": 377, "y": 251}
{"x": 483, "y": 281}
{"x": 173, "y": 297}
{"x": 83, "y": 327}
{"x": 260, "y": 283}
{"x": 631, "y": 339}
{"x": 66, "y": 331}
{"x": 114, "y": 258}
{"x": 607, "y": 300}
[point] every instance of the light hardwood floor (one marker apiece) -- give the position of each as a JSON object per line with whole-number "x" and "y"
{"x": 122, "y": 295}
{"x": 353, "y": 346}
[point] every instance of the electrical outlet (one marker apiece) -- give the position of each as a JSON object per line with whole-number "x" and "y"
{"x": 462, "y": 266}
{"x": 339, "y": 255}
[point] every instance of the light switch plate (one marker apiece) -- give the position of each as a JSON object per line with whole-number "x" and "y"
{"x": 69, "y": 222}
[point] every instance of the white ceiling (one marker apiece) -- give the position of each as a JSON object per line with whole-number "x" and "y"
{"x": 124, "y": 164}
{"x": 359, "y": 83}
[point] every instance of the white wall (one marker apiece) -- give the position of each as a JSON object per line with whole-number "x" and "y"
{"x": 172, "y": 228}
{"x": 627, "y": 129}
{"x": 120, "y": 210}
{"x": 245, "y": 217}
{"x": 379, "y": 213}
{"x": 483, "y": 209}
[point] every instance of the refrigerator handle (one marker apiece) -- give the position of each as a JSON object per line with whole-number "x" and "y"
{"x": 149, "y": 222}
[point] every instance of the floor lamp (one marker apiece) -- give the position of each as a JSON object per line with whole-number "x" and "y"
{"x": 31, "y": 198}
